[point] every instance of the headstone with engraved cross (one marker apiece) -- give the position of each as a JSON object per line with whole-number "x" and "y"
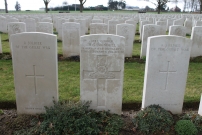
{"x": 35, "y": 71}
{"x": 196, "y": 37}
{"x": 166, "y": 72}
{"x": 71, "y": 39}
{"x": 101, "y": 71}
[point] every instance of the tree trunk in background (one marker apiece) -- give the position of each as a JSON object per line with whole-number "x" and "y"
{"x": 200, "y": 8}
{"x": 159, "y": 7}
{"x": 81, "y": 7}
{"x": 6, "y": 6}
{"x": 46, "y": 8}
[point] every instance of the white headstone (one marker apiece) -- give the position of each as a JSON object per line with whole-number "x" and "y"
{"x": 82, "y": 23}
{"x": 59, "y": 26}
{"x": 3, "y": 24}
{"x": 127, "y": 31}
{"x": 71, "y": 39}
{"x": 112, "y": 26}
{"x": 97, "y": 21}
{"x": 142, "y": 23}
{"x": 30, "y": 25}
{"x": 148, "y": 31}
{"x": 200, "y": 107}
{"x": 133, "y": 23}
{"x": 166, "y": 72}
{"x": 178, "y": 22}
{"x": 196, "y": 38}
{"x": 35, "y": 71}
{"x": 177, "y": 30}
{"x": 44, "y": 27}
{"x": 188, "y": 25}
{"x": 101, "y": 71}
{"x": 163, "y": 24}
{"x": 198, "y": 23}
{"x": 16, "y": 27}
{"x": 98, "y": 28}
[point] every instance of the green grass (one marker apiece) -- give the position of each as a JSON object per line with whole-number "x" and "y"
{"x": 69, "y": 78}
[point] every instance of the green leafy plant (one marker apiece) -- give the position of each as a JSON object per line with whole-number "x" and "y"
{"x": 1, "y": 112}
{"x": 185, "y": 127}
{"x": 70, "y": 118}
{"x": 153, "y": 119}
{"x": 194, "y": 118}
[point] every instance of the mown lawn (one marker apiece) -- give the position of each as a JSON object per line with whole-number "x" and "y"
{"x": 69, "y": 77}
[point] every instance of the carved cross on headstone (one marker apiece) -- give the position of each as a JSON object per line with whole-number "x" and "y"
{"x": 167, "y": 72}
{"x": 35, "y": 78}
{"x": 101, "y": 74}
{"x": 71, "y": 38}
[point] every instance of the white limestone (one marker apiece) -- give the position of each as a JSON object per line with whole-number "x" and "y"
{"x": 163, "y": 24}
{"x": 127, "y": 31}
{"x": 142, "y": 23}
{"x": 96, "y": 21}
{"x": 177, "y": 30}
{"x": 166, "y": 72}
{"x": 198, "y": 23}
{"x": 82, "y": 23}
{"x": 196, "y": 37}
{"x": 3, "y": 24}
{"x": 112, "y": 26}
{"x": 101, "y": 71}
{"x": 35, "y": 71}
{"x": 71, "y": 39}
{"x": 98, "y": 28}
{"x": 30, "y": 25}
{"x": 148, "y": 31}
{"x": 44, "y": 27}
{"x": 200, "y": 107}
{"x": 133, "y": 23}
{"x": 59, "y": 27}
{"x": 188, "y": 25}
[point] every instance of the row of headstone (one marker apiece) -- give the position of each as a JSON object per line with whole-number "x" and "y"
{"x": 101, "y": 71}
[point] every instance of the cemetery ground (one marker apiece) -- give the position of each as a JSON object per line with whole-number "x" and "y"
{"x": 69, "y": 89}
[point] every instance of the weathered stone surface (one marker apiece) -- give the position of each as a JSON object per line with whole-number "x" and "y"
{"x": 198, "y": 23}
{"x": 127, "y": 31}
{"x": 16, "y": 27}
{"x": 177, "y": 30}
{"x": 166, "y": 72}
{"x": 30, "y": 25}
{"x": 148, "y": 31}
{"x": 163, "y": 24}
{"x": 112, "y": 26}
{"x": 3, "y": 24}
{"x": 35, "y": 71}
{"x": 71, "y": 39}
{"x": 133, "y": 23}
{"x": 82, "y": 23}
{"x": 196, "y": 38}
{"x": 101, "y": 71}
{"x": 188, "y": 25}
{"x": 96, "y": 21}
{"x": 98, "y": 28}
{"x": 44, "y": 27}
